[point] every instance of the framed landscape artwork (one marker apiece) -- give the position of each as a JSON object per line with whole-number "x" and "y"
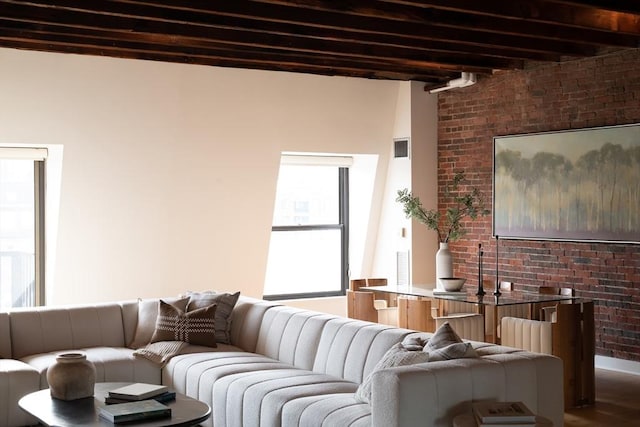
{"x": 581, "y": 185}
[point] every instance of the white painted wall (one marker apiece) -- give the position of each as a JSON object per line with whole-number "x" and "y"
{"x": 391, "y": 219}
{"x": 416, "y": 119}
{"x": 169, "y": 171}
{"x": 424, "y": 181}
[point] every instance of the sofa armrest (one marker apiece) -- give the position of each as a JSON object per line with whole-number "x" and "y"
{"x": 432, "y": 394}
{"x": 16, "y": 380}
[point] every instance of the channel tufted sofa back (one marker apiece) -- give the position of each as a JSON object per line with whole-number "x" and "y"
{"x": 52, "y": 329}
{"x": 351, "y": 348}
{"x": 326, "y": 344}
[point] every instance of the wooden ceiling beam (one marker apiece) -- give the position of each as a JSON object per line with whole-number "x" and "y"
{"x": 332, "y": 24}
{"x": 146, "y": 29}
{"x": 625, "y": 6}
{"x": 95, "y": 44}
{"x": 449, "y": 16}
{"x": 428, "y": 40}
{"x": 572, "y": 14}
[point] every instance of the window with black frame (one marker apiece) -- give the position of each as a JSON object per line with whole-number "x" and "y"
{"x": 22, "y": 193}
{"x": 308, "y": 251}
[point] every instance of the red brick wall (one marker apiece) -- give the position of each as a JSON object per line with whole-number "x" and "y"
{"x": 583, "y": 93}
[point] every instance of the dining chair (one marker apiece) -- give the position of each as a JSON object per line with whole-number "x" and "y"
{"x": 547, "y": 311}
{"x": 391, "y": 299}
{"x": 356, "y": 284}
{"x": 570, "y": 336}
{"x": 381, "y": 300}
{"x": 415, "y": 314}
{"x": 462, "y": 317}
{"x": 468, "y": 326}
{"x": 361, "y": 305}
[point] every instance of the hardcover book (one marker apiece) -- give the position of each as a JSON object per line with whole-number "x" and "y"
{"x": 503, "y": 413}
{"x": 134, "y": 411}
{"x": 167, "y": 396}
{"x": 138, "y": 391}
{"x": 504, "y": 424}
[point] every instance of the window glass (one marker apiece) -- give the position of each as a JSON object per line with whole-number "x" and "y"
{"x": 304, "y": 262}
{"x": 17, "y": 233}
{"x": 307, "y": 195}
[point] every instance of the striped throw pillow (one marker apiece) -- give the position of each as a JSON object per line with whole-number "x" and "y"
{"x": 195, "y": 327}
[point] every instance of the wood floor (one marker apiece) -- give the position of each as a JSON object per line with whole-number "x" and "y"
{"x": 617, "y": 402}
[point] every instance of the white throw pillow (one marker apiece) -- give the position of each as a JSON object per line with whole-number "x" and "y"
{"x": 459, "y": 350}
{"x": 397, "y": 355}
{"x": 445, "y": 344}
{"x": 414, "y": 343}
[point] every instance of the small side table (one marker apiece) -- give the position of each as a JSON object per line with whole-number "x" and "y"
{"x": 467, "y": 420}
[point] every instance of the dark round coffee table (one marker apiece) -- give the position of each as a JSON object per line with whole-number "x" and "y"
{"x": 185, "y": 411}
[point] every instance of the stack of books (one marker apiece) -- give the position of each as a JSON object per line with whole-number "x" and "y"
{"x": 503, "y": 414}
{"x": 137, "y": 402}
{"x": 140, "y": 391}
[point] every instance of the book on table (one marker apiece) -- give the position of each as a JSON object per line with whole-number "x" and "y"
{"x": 138, "y": 391}
{"x": 496, "y": 413}
{"x": 134, "y": 411}
{"x": 504, "y": 424}
{"x": 167, "y": 396}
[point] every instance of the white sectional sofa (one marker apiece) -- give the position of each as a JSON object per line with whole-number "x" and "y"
{"x": 283, "y": 367}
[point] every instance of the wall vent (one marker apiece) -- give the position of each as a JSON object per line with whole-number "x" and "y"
{"x": 401, "y": 148}
{"x": 402, "y": 268}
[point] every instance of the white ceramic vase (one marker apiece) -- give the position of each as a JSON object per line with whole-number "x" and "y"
{"x": 71, "y": 377}
{"x": 444, "y": 264}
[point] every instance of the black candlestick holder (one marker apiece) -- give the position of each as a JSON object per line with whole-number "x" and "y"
{"x": 480, "y": 287}
{"x": 496, "y": 291}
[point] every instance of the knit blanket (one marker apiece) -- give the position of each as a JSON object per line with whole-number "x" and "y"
{"x": 160, "y": 352}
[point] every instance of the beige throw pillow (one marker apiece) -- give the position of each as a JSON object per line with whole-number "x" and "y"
{"x": 225, "y": 303}
{"x": 398, "y": 355}
{"x": 195, "y": 327}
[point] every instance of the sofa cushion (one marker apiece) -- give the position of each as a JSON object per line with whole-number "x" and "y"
{"x": 194, "y": 374}
{"x": 257, "y": 397}
{"x": 225, "y": 302}
{"x": 398, "y": 355}
{"x": 147, "y": 315}
{"x": 335, "y": 409}
{"x": 195, "y": 327}
{"x": 113, "y": 364}
{"x": 16, "y": 379}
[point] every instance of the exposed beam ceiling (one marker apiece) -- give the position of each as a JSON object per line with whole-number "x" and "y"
{"x": 431, "y": 41}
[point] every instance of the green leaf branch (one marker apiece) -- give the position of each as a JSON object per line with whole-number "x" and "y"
{"x": 448, "y": 226}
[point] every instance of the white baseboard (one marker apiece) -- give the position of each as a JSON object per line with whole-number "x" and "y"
{"x": 621, "y": 365}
